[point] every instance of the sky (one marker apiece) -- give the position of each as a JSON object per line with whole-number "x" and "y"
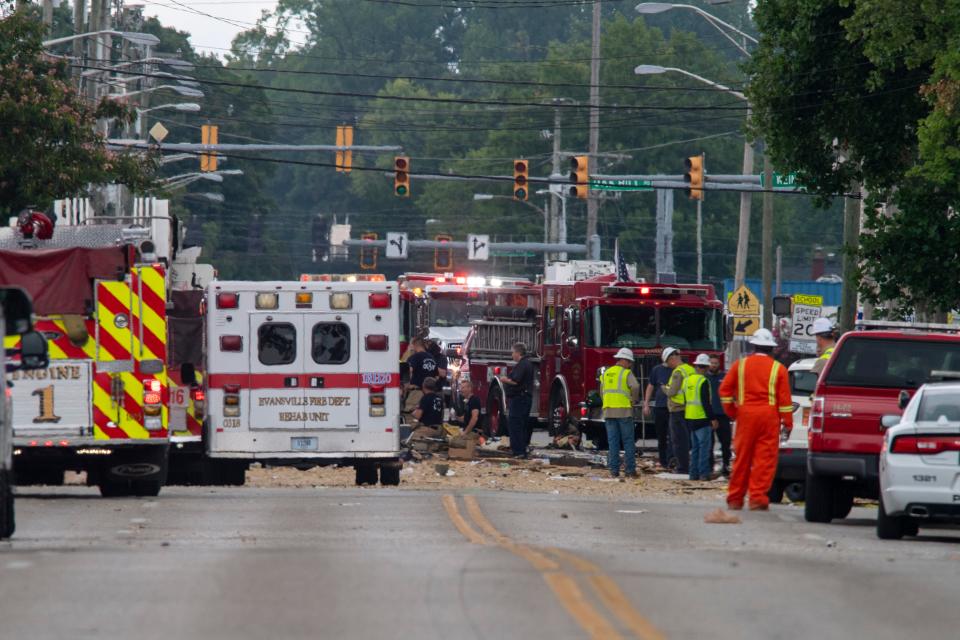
{"x": 208, "y": 34}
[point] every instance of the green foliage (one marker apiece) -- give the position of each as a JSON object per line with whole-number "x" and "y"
{"x": 49, "y": 147}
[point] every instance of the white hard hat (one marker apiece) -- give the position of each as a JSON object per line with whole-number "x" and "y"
{"x": 624, "y": 354}
{"x": 703, "y": 360}
{"x": 822, "y": 325}
{"x": 669, "y": 351}
{"x": 763, "y": 338}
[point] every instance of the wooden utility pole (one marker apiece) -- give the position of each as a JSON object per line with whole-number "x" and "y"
{"x": 79, "y": 26}
{"x": 851, "y": 242}
{"x": 593, "y": 204}
{"x": 767, "y": 234}
{"x": 48, "y": 15}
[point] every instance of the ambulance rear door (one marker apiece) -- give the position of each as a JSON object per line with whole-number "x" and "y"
{"x": 332, "y": 366}
{"x": 277, "y": 356}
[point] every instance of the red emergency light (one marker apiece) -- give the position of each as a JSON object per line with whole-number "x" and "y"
{"x": 227, "y": 300}
{"x": 377, "y": 342}
{"x": 231, "y": 343}
{"x": 380, "y": 301}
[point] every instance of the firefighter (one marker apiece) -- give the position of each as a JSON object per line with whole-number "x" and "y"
{"x": 675, "y": 403}
{"x": 823, "y": 331}
{"x": 756, "y": 393}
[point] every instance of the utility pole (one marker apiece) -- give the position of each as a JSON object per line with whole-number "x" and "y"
{"x": 593, "y": 204}
{"x": 743, "y": 235}
{"x": 700, "y": 241}
{"x": 555, "y": 206}
{"x": 851, "y": 240}
{"x": 767, "y": 235}
{"x": 79, "y": 15}
{"x": 664, "y": 242}
{"x": 779, "y": 269}
{"x": 48, "y": 15}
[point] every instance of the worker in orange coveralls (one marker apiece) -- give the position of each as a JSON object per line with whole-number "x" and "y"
{"x": 756, "y": 393}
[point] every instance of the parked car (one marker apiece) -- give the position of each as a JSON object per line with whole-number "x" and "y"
{"x": 861, "y": 382}
{"x": 920, "y": 463}
{"x": 792, "y": 462}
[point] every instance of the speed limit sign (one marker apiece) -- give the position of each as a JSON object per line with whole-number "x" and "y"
{"x": 802, "y": 339}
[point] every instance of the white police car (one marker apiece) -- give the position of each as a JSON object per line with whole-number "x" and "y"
{"x": 920, "y": 462}
{"x": 792, "y": 460}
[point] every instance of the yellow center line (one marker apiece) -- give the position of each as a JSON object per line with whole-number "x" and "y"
{"x": 450, "y": 504}
{"x": 612, "y": 597}
{"x": 563, "y": 585}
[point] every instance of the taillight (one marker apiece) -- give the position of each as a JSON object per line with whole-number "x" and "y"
{"x": 231, "y": 400}
{"x": 231, "y": 343}
{"x": 925, "y": 445}
{"x": 377, "y": 342}
{"x": 152, "y": 397}
{"x": 199, "y": 401}
{"x": 378, "y": 401}
{"x": 816, "y": 416}
{"x": 380, "y": 300}
{"x": 228, "y": 300}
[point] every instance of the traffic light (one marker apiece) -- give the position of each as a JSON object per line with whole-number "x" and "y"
{"x": 208, "y": 135}
{"x": 401, "y": 176}
{"x": 694, "y": 176}
{"x": 368, "y": 254}
{"x": 344, "y": 160}
{"x": 443, "y": 256}
{"x": 579, "y": 176}
{"x": 521, "y": 175}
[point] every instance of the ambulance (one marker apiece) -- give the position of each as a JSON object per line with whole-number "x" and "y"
{"x": 305, "y": 373}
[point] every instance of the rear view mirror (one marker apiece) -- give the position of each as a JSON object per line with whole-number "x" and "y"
{"x": 889, "y": 421}
{"x": 17, "y": 311}
{"x": 33, "y": 351}
{"x": 903, "y": 400}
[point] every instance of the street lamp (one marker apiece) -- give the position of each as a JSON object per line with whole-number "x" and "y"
{"x": 179, "y": 106}
{"x": 142, "y": 39}
{"x": 649, "y": 8}
{"x": 653, "y": 69}
{"x": 212, "y": 197}
{"x": 176, "y": 63}
{"x": 184, "y": 91}
{"x": 185, "y": 80}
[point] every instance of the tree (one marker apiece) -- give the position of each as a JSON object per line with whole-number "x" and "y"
{"x": 49, "y": 147}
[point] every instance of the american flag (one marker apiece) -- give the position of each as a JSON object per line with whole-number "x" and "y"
{"x": 623, "y": 275}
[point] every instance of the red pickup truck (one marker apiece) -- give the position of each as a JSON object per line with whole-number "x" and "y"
{"x": 863, "y": 381}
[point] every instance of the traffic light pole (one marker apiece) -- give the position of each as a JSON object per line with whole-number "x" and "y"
{"x": 543, "y": 247}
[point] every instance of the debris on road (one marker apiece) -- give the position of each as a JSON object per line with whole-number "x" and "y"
{"x": 720, "y": 516}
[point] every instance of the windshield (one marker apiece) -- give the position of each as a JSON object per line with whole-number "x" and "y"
{"x": 802, "y": 383}
{"x": 646, "y": 327}
{"x": 450, "y": 312}
{"x": 897, "y": 364}
{"x": 939, "y": 403}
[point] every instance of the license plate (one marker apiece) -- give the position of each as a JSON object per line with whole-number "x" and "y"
{"x": 303, "y": 444}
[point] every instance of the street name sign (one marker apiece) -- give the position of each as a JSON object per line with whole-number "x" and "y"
{"x": 620, "y": 185}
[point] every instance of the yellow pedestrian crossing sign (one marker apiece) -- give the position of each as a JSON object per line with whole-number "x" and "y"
{"x": 743, "y": 302}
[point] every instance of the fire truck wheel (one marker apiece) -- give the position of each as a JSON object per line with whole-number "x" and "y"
{"x": 114, "y": 488}
{"x": 558, "y": 412}
{"x": 366, "y": 473}
{"x": 390, "y": 473}
{"x": 496, "y": 413}
{"x": 7, "y": 524}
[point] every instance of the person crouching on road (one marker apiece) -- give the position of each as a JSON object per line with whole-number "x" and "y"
{"x": 756, "y": 393}
{"x": 698, "y": 414}
{"x": 620, "y": 392}
{"x": 674, "y": 392}
{"x": 468, "y": 410}
{"x": 430, "y": 410}
{"x": 518, "y": 387}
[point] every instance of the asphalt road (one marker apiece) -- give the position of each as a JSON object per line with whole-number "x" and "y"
{"x": 380, "y": 563}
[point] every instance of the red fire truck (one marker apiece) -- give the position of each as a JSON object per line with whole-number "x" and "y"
{"x": 574, "y": 331}
{"x": 99, "y": 289}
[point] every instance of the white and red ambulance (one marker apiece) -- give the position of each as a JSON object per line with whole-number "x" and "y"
{"x": 302, "y": 373}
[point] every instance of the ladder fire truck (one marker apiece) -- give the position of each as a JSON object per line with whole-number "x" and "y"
{"x": 574, "y": 332}
{"x": 99, "y": 287}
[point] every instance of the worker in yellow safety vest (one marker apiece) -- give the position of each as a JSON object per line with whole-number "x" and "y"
{"x": 699, "y": 417}
{"x": 675, "y": 405}
{"x": 621, "y": 392}
{"x": 824, "y": 332}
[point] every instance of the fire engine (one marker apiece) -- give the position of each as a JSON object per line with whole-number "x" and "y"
{"x": 305, "y": 373}
{"x": 573, "y": 334}
{"x": 99, "y": 289}
{"x": 16, "y": 313}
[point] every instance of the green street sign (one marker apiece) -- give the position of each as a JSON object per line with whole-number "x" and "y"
{"x": 620, "y": 185}
{"x": 782, "y": 181}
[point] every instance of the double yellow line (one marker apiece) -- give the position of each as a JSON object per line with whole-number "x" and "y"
{"x": 549, "y": 562}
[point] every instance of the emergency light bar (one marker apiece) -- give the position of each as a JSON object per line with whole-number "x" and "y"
{"x": 654, "y": 292}
{"x": 342, "y": 277}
